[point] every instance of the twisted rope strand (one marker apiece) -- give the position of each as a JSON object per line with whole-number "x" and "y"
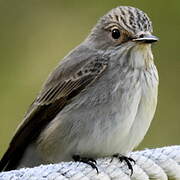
{"x": 156, "y": 164}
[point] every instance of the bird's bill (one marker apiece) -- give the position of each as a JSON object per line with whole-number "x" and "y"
{"x": 147, "y": 38}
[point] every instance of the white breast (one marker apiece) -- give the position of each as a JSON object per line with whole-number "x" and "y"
{"x": 135, "y": 100}
{"x": 145, "y": 111}
{"x": 123, "y": 123}
{"x": 134, "y": 109}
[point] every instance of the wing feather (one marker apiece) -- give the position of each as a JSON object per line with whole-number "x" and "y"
{"x": 54, "y": 96}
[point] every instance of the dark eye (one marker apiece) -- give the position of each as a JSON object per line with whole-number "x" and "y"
{"x": 116, "y": 33}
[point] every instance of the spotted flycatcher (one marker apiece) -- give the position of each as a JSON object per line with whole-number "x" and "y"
{"x": 99, "y": 101}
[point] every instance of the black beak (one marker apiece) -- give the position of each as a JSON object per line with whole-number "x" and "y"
{"x": 146, "y": 38}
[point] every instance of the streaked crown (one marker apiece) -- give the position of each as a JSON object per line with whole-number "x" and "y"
{"x": 121, "y": 25}
{"x": 130, "y": 18}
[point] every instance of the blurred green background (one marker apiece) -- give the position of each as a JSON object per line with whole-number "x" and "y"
{"x": 36, "y": 34}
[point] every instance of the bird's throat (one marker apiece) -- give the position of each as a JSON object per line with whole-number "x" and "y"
{"x": 141, "y": 56}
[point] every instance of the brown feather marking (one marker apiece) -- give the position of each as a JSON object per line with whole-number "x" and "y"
{"x": 45, "y": 108}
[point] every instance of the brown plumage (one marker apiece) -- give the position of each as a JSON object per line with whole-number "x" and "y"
{"x": 51, "y": 100}
{"x": 99, "y": 101}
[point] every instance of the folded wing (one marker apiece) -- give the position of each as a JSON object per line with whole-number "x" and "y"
{"x": 59, "y": 89}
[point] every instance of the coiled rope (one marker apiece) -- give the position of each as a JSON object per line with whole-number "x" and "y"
{"x": 156, "y": 164}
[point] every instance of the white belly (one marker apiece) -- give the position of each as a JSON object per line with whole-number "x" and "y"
{"x": 133, "y": 111}
{"x": 141, "y": 113}
{"x": 143, "y": 118}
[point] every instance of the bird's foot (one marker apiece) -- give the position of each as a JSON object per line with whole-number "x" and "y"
{"x": 89, "y": 161}
{"x": 127, "y": 160}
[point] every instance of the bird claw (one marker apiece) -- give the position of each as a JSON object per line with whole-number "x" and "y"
{"x": 127, "y": 160}
{"x": 89, "y": 161}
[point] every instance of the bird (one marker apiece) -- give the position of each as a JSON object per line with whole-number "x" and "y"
{"x": 99, "y": 101}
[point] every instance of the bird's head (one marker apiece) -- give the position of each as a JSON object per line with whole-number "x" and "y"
{"x": 123, "y": 28}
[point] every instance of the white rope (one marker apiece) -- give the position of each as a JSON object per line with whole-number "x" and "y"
{"x": 156, "y": 164}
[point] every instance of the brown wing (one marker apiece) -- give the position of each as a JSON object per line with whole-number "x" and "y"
{"x": 55, "y": 95}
